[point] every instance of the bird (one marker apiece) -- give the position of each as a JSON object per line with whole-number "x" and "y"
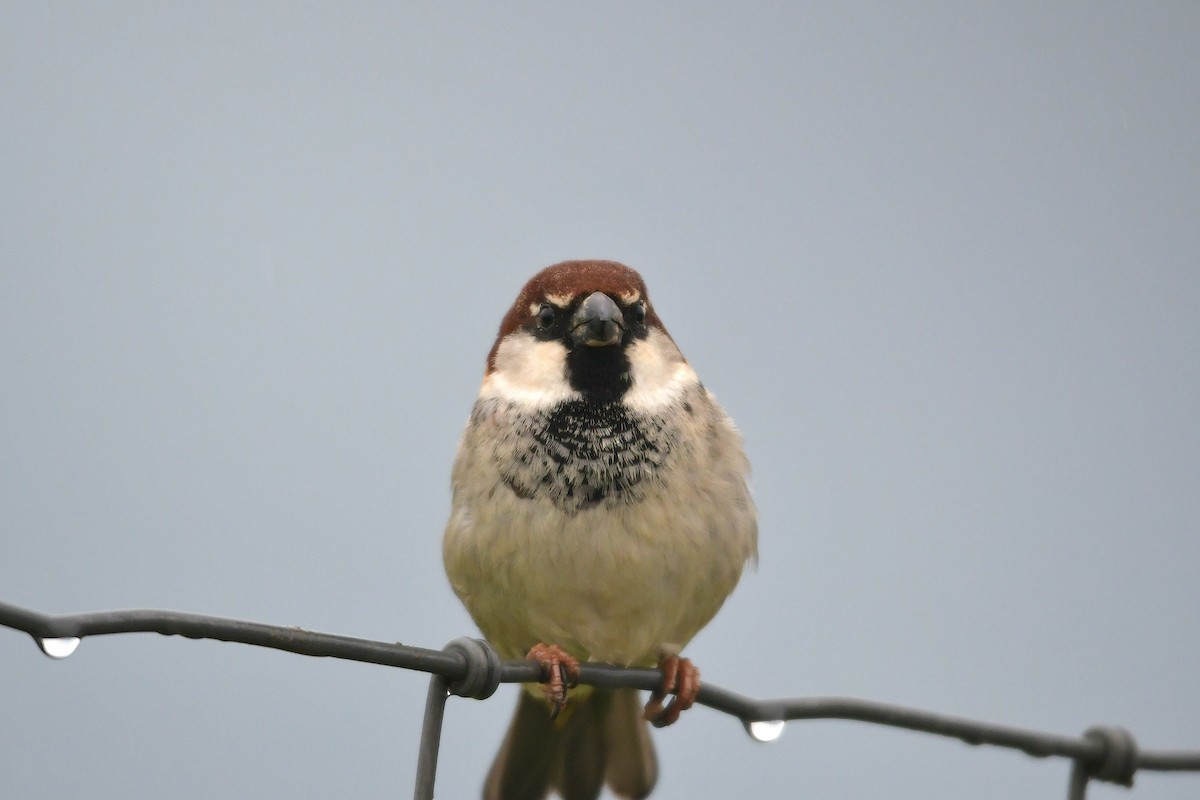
{"x": 600, "y": 512}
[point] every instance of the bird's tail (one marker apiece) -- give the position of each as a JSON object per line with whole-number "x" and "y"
{"x": 598, "y": 739}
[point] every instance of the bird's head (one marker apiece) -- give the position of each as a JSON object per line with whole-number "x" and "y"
{"x": 584, "y": 330}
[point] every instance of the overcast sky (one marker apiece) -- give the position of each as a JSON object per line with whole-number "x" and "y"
{"x": 941, "y": 263}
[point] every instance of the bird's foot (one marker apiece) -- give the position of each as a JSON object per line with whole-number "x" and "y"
{"x": 681, "y": 678}
{"x": 561, "y": 671}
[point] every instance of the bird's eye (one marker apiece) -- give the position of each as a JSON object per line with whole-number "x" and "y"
{"x": 639, "y": 312}
{"x": 546, "y": 316}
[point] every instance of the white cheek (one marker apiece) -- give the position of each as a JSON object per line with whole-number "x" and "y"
{"x": 529, "y": 373}
{"x": 660, "y": 375}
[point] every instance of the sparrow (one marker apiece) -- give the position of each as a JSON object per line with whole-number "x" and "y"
{"x": 599, "y": 512}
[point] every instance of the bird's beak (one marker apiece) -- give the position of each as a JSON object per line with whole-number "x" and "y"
{"x": 598, "y": 322}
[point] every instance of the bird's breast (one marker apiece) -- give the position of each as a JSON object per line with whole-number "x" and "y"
{"x": 581, "y": 453}
{"x": 579, "y": 524}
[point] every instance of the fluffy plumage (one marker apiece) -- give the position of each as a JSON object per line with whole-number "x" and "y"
{"x": 599, "y": 504}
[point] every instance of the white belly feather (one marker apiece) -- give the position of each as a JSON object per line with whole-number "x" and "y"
{"x": 619, "y": 581}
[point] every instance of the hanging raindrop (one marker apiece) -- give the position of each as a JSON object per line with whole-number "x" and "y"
{"x": 59, "y": 648}
{"x": 765, "y": 730}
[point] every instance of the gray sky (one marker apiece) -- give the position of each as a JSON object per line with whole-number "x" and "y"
{"x": 941, "y": 264}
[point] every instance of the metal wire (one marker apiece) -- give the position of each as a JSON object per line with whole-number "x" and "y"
{"x": 470, "y": 668}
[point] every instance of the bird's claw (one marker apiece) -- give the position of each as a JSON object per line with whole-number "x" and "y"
{"x": 681, "y": 678}
{"x": 560, "y": 671}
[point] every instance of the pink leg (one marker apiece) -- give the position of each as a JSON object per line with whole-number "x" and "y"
{"x": 680, "y": 677}
{"x": 561, "y": 672}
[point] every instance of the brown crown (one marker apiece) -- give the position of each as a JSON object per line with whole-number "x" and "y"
{"x": 573, "y": 279}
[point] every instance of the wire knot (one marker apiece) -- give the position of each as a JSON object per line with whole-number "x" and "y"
{"x": 483, "y": 668}
{"x": 1120, "y": 754}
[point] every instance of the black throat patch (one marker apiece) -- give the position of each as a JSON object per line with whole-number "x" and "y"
{"x": 600, "y": 374}
{"x": 583, "y": 453}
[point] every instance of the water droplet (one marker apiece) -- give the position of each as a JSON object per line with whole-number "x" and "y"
{"x": 765, "y": 730}
{"x": 59, "y": 648}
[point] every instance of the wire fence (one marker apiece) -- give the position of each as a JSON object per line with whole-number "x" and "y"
{"x": 471, "y": 668}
